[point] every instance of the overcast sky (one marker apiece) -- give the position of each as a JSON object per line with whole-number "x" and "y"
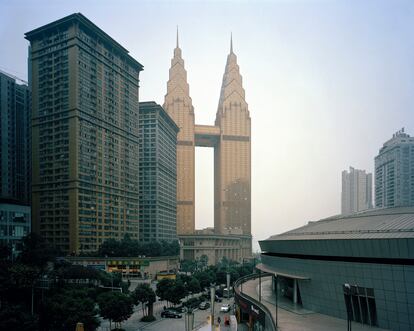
{"x": 327, "y": 83}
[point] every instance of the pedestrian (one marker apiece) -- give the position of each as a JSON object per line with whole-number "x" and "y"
{"x": 218, "y": 320}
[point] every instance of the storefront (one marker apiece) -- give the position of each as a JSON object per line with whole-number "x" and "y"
{"x": 250, "y": 313}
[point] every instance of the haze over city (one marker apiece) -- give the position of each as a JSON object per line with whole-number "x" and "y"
{"x": 327, "y": 83}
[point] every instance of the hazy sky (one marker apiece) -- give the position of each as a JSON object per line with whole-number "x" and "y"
{"x": 327, "y": 83}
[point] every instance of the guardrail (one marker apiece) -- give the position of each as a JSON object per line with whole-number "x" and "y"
{"x": 238, "y": 286}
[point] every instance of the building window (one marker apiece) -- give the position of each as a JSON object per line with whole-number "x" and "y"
{"x": 360, "y": 303}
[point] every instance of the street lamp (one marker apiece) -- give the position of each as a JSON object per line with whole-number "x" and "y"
{"x": 276, "y": 294}
{"x": 348, "y": 304}
{"x": 213, "y": 297}
{"x": 228, "y": 285}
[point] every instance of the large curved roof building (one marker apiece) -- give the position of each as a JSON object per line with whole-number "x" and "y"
{"x": 361, "y": 265}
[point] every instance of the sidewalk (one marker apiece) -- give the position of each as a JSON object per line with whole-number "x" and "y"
{"x": 301, "y": 320}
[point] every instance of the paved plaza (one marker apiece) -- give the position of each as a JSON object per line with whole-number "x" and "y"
{"x": 300, "y": 320}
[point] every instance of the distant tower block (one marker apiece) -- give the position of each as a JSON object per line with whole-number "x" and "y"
{"x": 230, "y": 138}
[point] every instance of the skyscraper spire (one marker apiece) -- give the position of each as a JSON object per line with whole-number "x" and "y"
{"x": 177, "y": 38}
{"x": 231, "y": 42}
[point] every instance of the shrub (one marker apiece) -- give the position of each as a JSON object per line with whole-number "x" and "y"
{"x": 148, "y": 319}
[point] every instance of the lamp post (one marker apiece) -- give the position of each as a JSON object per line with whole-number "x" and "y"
{"x": 228, "y": 285}
{"x": 213, "y": 297}
{"x": 348, "y": 304}
{"x": 276, "y": 295}
{"x": 260, "y": 285}
{"x": 189, "y": 320}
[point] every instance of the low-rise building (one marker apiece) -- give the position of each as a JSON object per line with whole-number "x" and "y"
{"x": 361, "y": 264}
{"x": 130, "y": 267}
{"x": 234, "y": 247}
{"x": 15, "y": 223}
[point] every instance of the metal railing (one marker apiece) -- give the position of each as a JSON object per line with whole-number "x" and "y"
{"x": 238, "y": 291}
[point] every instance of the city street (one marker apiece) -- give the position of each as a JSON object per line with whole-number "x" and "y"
{"x": 167, "y": 324}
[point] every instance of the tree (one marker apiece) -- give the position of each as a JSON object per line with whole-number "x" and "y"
{"x": 36, "y": 252}
{"x": 115, "y": 306}
{"x": 205, "y": 278}
{"x": 145, "y": 295}
{"x": 162, "y": 288}
{"x": 203, "y": 261}
{"x": 64, "y": 309}
{"x": 16, "y": 319}
{"x": 194, "y": 285}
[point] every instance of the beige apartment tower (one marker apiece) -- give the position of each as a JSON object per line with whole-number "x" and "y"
{"x": 230, "y": 138}
{"x": 85, "y": 136}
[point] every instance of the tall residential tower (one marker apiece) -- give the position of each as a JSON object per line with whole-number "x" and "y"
{"x": 85, "y": 135}
{"x": 394, "y": 172}
{"x": 157, "y": 174}
{"x": 356, "y": 191}
{"x": 15, "y": 152}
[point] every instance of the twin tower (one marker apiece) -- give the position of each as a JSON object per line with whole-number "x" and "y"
{"x": 230, "y": 138}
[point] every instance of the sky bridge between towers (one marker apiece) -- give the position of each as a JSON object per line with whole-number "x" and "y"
{"x": 206, "y": 135}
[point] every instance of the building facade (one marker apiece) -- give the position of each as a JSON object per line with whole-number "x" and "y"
{"x": 215, "y": 246}
{"x": 15, "y": 223}
{"x": 85, "y": 135}
{"x": 15, "y": 133}
{"x": 130, "y": 267}
{"x": 361, "y": 264}
{"x": 356, "y": 191}
{"x": 157, "y": 174}
{"x": 394, "y": 172}
{"x": 230, "y": 138}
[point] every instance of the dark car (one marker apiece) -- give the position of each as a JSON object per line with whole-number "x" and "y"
{"x": 204, "y": 306}
{"x": 178, "y": 309}
{"x": 170, "y": 314}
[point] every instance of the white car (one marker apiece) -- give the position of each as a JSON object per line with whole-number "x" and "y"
{"x": 225, "y": 308}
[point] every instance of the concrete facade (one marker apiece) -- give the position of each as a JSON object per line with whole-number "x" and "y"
{"x": 356, "y": 191}
{"x": 214, "y": 246}
{"x": 85, "y": 135}
{"x": 157, "y": 174}
{"x": 230, "y": 138}
{"x": 141, "y": 267}
{"x": 373, "y": 252}
{"x": 394, "y": 172}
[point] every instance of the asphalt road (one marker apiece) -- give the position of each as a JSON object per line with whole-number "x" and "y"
{"x": 165, "y": 324}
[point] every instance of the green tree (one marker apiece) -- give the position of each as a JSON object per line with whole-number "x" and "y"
{"x": 194, "y": 286}
{"x": 162, "y": 287}
{"x": 15, "y": 318}
{"x": 64, "y": 309}
{"x": 205, "y": 278}
{"x": 115, "y": 306}
{"x": 146, "y": 296}
{"x": 203, "y": 261}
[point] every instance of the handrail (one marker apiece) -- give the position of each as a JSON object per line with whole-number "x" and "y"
{"x": 237, "y": 291}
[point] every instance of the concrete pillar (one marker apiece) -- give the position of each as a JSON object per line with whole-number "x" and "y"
{"x": 295, "y": 291}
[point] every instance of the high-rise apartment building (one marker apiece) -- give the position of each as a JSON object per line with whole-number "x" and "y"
{"x": 356, "y": 191}
{"x": 85, "y": 135}
{"x": 394, "y": 172}
{"x": 157, "y": 174}
{"x": 15, "y": 151}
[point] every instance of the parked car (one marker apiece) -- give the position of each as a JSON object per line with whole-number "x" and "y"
{"x": 178, "y": 309}
{"x": 225, "y": 308}
{"x": 204, "y": 305}
{"x": 170, "y": 314}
